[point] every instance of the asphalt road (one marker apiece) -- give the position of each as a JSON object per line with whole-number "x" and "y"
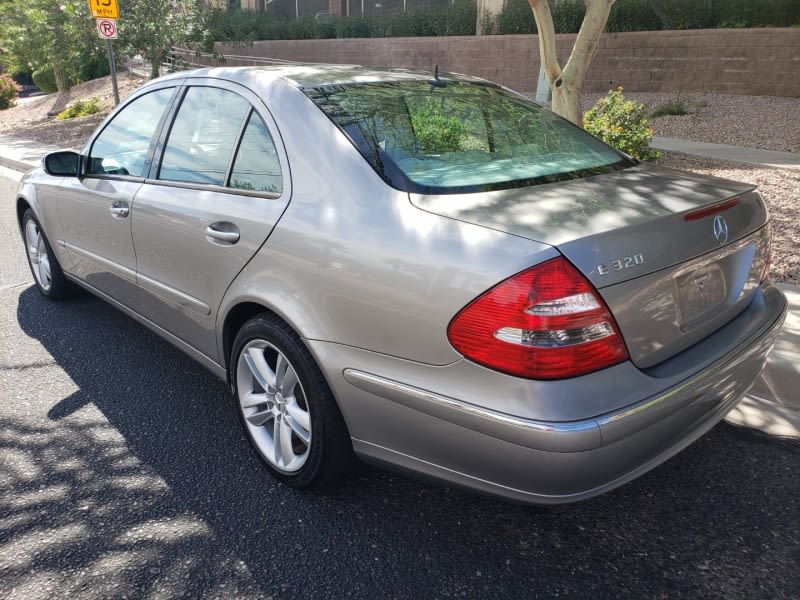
{"x": 124, "y": 473}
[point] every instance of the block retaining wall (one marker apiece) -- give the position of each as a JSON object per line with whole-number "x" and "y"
{"x": 758, "y": 62}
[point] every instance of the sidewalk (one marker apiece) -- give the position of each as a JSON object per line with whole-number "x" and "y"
{"x": 22, "y": 155}
{"x": 753, "y": 156}
{"x": 773, "y": 404}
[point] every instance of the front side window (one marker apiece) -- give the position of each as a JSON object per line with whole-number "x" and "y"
{"x": 464, "y": 137}
{"x": 122, "y": 146}
{"x": 203, "y": 136}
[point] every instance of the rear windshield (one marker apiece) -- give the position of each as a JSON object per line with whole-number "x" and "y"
{"x": 464, "y": 137}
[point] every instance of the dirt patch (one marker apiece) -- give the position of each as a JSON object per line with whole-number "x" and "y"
{"x": 34, "y": 118}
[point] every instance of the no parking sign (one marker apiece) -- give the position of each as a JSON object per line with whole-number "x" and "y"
{"x": 106, "y": 13}
{"x": 107, "y": 29}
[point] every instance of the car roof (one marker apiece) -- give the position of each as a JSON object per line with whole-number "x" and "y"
{"x": 311, "y": 76}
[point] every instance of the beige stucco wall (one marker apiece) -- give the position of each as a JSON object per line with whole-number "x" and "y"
{"x": 733, "y": 61}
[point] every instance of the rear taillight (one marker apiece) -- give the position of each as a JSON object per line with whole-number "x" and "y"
{"x": 547, "y": 322}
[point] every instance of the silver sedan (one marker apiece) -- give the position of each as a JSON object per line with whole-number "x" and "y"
{"x": 431, "y": 273}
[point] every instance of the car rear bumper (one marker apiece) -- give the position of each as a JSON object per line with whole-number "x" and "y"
{"x": 541, "y": 461}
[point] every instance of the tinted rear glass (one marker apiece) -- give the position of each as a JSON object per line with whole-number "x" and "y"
{"x": 464, "y": 137}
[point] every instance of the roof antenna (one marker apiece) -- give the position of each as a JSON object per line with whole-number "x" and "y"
{"x": 436, "y": 82}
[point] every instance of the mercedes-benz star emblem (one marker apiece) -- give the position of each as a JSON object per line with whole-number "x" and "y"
{"x": 720, "y": 229}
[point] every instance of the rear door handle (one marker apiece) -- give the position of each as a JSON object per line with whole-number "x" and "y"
{"x": 223, "y": 232}
{"x": 120, "y": 209}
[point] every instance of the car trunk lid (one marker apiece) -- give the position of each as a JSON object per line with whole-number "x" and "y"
{"x": 675, "y": 255}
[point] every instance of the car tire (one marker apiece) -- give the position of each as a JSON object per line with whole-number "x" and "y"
{"x": 286, "y": 406}
{"x": 42, "y": 261}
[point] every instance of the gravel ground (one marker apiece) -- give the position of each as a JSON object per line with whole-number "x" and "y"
{"x": 765, "y": 122}
{"x": 780, "y": 189}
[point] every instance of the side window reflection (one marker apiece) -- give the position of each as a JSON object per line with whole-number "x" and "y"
{"x": 121, "y": 148}
{"x": 202, "y": 138}
{"x": 257, "y": 167}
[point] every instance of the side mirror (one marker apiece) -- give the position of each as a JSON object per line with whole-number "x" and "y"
{"x": 61, "y": 164}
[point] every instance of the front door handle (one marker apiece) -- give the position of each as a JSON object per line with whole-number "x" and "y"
{"x": 223, "y": 232}
{"x": 120, "y": 209}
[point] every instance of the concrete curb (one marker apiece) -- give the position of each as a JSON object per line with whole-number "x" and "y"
{"x": 23, "y": 155}
{"x": 15, "y": 165}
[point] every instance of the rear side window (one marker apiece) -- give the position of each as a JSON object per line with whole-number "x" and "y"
{"x": 463, "y": 137}
{"x": 257, "y": 167}
{"x": 122, "y": 146}
{"x": 202, "y": 138}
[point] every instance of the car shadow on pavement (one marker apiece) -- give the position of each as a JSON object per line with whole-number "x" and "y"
{"x": 126, "y": 473}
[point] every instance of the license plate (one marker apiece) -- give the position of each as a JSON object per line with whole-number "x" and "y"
{"x": 699, "y": 292}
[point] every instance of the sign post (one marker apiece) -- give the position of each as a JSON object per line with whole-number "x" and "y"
{"x": 106, "y": 13}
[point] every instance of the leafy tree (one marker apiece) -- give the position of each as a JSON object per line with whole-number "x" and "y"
{"x": 37, "y": 33}
{"x": 61, "y": 34}
{"x": 151, "y": 27}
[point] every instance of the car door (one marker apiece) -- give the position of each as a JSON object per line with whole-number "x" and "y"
{"x": 95, "y": 209}
{"x": 210, "y": 203}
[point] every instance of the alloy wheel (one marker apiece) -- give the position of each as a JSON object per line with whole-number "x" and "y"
{"x": 37, "y": 255}
{"x": 274, "y": 406}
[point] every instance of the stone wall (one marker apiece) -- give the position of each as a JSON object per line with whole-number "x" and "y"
{"x": 760, "y": 62}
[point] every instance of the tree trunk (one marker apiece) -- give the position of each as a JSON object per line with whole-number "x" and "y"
{"x": 155, "y": 65}
{"x": 566, "y": 83}
{"x": 488, "y": 9}
{"x": 567, "y": 102}
{"x": 60, "y": 74}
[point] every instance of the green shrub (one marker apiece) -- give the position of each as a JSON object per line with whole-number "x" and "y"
{"x": 458, "y": 17}
{"x": 701, "y": 14}
{"x": 632, "y": 15}
{"x": 92, "y": 67}
{"x": 685, "y": 14}
{"x": 516, "y": 17}
{"x": 676, "y": 107}
{"x": 672, "y": 108}
{"x": 621, "y": 123}
{"x": 567, "y": 15}
{"x": 353, "y": 27}
{"x": 325, "y": 30}
{"x": 45, "y": 79}
{"x": 9, "y": 90}
{"x": 303, "y": 28}
{"x": 81, "y": 108}
{"x": 439, "y": 19}
{"x": 756, "y": 13}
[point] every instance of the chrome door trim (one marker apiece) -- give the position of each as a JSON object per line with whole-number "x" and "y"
{"x": 172, "y": 295}
{"x": 111, "y": 266}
